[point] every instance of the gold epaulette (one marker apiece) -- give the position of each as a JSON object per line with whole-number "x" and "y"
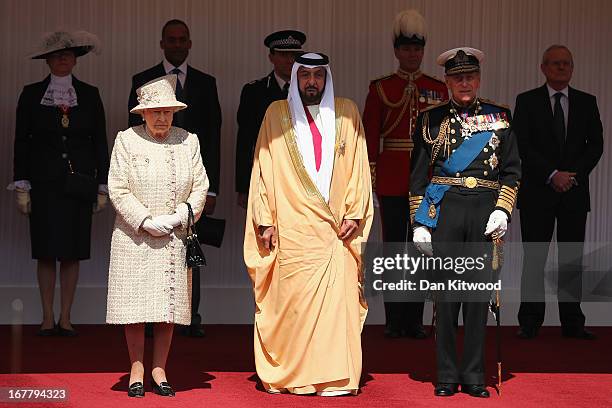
{"x": 430, "y": 107}
{"x": 415, "y": 203}
{"x": 373, "y": 174}
{"x": 507, "y": 198}
{"x": 382, "y": 77}
{"x": 434, "y": 78}
{"x": 490, "y": 102}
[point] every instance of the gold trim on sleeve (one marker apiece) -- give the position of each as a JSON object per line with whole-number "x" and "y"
{"x": 415, "y": 203}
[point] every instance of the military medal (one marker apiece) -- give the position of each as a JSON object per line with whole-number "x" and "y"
{"x": 432, "y": 211}
{"x": 493, "y": 161}
{"x": 65, "y": 120}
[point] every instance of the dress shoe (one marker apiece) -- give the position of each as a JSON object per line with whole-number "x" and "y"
{"x": 136, "y": 390}
{"x": 393, "y": 333}
{"x": 163, "y": 388}
{"x": 416, "y": 332}
{"x": 445, "y": 389}
{"x": 66, "y": 332}
{"x": 527, "y": 332}
{"x": 582, "y": 334}
{"x": 47, "y": 332}
{"x": 193, "y": 331}
{"x": 337, "y": 393}
{"x": 475, "y": 390}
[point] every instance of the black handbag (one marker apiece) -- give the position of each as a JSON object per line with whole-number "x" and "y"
{"x": 210, "y": 230}
{"x": 195, "y": 255}
{"x": 79, "y": 186}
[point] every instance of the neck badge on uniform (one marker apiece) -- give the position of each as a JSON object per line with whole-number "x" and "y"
{"x": 65, "y": 120}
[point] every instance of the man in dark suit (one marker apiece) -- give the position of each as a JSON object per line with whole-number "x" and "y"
{"x": 560, "y": 141}
{"x": 255, "y": 98}
{"x": 202, "y": 117}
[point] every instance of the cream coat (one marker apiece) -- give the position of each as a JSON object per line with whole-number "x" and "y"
{"x": 148, "y": 280}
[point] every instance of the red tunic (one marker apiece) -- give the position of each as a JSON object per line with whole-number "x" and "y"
{"x": 389, "y": 119}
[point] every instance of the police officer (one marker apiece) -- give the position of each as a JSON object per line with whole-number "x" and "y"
{"x": 392, "y": 106}
{"x": 257, "y": 95}
{"x": 473, "y": 155}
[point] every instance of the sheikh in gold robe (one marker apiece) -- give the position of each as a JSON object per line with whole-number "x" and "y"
{"x": 309, "y": 301}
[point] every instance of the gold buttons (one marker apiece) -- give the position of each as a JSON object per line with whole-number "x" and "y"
{"x": 458, "y": 175}
{"x": 486, "y": 162}
{"x": 452, "y": 131}
{"x": 454, "y": 140}
{"x": 486, "y": 173}
{"x": 485, "y": 150}
{"x": 453, "y": 120}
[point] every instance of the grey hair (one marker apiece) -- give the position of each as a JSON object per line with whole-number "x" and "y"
{"x": 556, "y": 47}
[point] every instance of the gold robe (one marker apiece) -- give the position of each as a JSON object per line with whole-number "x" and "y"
{"x": 309, "y": 300}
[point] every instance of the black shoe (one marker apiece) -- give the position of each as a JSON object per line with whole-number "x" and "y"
{"x": 446, "y": 389}
{"x": 475, "y": 390}
{"x": 136, "y": 390}
{"x": 66, "y": 332}
{"x": 393, "y": 333}
{"x": 193, "y": 331}
{"x": 527, "y": 332}
{"x": 416, "y": 332}
{"x": 47, "y": 332}
{"x": 582, "y": 334}
{"x": 163, "y": 388}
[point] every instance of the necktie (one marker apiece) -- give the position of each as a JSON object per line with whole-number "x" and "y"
{"x": 559, "y": 121}
{"x": 179, "y": 117}
{"x": 179, "y": 88}
{"x": 316, "y": 138}
{"x": 286, "y": 89}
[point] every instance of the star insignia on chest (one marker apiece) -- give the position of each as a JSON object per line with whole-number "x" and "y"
{"x": 493, "y": 161}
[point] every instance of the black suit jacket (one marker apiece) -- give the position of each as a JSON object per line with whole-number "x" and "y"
{"x": 39, "y": 135}
{"x": 541, "y": 153}
{"x": 202, "y": 115}
{"x": 255, "y": 98}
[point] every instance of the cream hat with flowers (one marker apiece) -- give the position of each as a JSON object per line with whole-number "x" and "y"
{"x": 158, "y": 93}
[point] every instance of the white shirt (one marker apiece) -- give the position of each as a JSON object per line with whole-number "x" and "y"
{"x": 322, "y": 177}
{"x": 280, "y": 81}
{"x": 182, "y": 76}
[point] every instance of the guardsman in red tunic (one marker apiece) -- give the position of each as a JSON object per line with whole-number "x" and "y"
{"x": 389, "y": 118}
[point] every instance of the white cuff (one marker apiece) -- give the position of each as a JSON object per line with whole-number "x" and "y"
{"x": 23, "y": 185}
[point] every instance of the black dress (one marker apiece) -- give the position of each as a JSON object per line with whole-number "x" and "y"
{"x": 60, "y": 226}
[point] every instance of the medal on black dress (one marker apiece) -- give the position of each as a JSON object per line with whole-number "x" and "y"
{"x": 65, "y": 120}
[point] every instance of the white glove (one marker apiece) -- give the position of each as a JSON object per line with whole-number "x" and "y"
{"x": 169, "y": 219}
{"x": 422, "y": 240}
{"x": 101, "y": 203}
{"x": 156, "y": 228}
{"x": 497, "y": 224}
{"x": 23, "y": 202}
{"x": 375, "y": 200}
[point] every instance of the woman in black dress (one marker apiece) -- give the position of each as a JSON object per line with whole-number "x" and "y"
{"x": 60, "y": 128}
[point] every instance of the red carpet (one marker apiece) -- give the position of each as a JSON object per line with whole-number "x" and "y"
{"x": 217, "y": 371}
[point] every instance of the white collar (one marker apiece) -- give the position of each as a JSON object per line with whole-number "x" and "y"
{"x": 280, "y": 81}
{"x": 168, "y": 67}
{"x": 63, "y": 81}
{"x": 552, "y": 92}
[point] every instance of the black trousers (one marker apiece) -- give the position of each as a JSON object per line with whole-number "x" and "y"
{"x": 460, "y": 232}
{"x": 196, "y": 319}
{"x": 537, "y": 227}
{"x": 395, "y": 214}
